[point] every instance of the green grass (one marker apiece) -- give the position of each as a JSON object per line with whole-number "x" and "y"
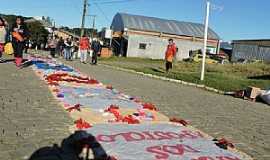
{"x": 227, "y": 77}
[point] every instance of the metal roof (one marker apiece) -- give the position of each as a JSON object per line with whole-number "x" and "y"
{"x": 137, "y": 22}
{"x": 249, "y": 40}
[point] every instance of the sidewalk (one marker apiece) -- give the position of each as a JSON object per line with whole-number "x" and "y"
{"x": 30, "y": 117}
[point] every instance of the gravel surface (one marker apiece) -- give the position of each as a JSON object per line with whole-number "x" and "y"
{"x": 30, "y": 117}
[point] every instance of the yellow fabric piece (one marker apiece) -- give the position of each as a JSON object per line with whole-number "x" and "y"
{"x": 8, "y": 49}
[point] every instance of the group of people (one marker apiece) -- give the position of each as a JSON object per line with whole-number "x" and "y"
{"x": 72, "y": 48}
{"x": 17, "y": 34}
{"x": 69, "y": 48}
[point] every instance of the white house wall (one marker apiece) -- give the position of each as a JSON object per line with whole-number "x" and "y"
{"x": 156, "y": 47}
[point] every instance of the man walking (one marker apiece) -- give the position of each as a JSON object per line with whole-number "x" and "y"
{"x": 96, "y": 47}
{"x": 170, "y": 54}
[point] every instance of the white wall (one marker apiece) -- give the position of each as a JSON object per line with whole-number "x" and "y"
{"x": 156, "y": 47}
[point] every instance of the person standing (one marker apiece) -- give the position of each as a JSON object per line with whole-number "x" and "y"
{"x": 75, "y": 50}
{"x": 60, "y": 46}
{"x": 170, "y": 54}
{"x": 19, "y": 34}
{"x": 96, "y": 47}
{"x": 3, "y": 36}
{"x": 52, "y": 44}
{"x": 27, "y": 46}
{"x": 84, "y": 48}
{"x": 68, "y": 48}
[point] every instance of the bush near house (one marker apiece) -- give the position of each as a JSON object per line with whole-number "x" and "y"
{"x": 227, "y": 77}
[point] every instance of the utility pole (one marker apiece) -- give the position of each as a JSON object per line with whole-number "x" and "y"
{"x": 205, "y": 38}
{"x": 94, "y": 25}
{"x": 83, "y": 16}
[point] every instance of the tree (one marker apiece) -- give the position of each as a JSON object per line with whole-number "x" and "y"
{"x": 37, "y": 31}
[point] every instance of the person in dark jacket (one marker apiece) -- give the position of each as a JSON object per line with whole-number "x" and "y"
{"x": 19, "y": 33}
{"x": 60, "y": 47}
{"x": 96, "y": 47}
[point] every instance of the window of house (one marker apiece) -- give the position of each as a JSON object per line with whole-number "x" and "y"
{"x": 142, "y": 46}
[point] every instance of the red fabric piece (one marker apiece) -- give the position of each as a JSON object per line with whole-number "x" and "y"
{"x": 149, "y": 106}
{"x": 225, "y": 142}
{"x": 57, "y": 77}
{"x": 56, "y": 90}
{"x": 53, "y": 83}
{"x": 130, "y": 120}
{"x": 76, "y": 107}
{"x": 180, "y": 121}
{"x": 109, "y": 87}
{"x": 81, "y": 124}
{"x": 115, "y": 111}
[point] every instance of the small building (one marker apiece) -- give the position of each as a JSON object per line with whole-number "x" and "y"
{"x": 226, "y": 50}
{"x": 147, "y": 37}
{"x": 251, "y": 50}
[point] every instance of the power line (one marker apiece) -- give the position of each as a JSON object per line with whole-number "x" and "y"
{"x": 99, "y": 8}
{"x": 115, "y": 1}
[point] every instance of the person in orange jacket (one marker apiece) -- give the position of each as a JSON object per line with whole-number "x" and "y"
{"x": 84, "y": 48}
{"x": 170, "y": 54}
{"x": 19, "y": 34}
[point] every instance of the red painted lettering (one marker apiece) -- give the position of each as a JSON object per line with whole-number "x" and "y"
{"x": 204, "y": 158}
{"x": 149, "y": 136}
{"x": 159, "y": 153}
{"x": 132, "y": 136}
{"x": 175, "y": 150}
{"x": 161, "y": 135}
{"x": 105, "y": 138}
{"x": 189, "y": 135}
{"x": 164, "y": 151}
{"x": 146, "y": 135}
{"x": 173, "y": 135}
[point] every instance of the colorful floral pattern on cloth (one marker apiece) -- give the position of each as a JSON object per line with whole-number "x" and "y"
{"x": 128, "y": 136}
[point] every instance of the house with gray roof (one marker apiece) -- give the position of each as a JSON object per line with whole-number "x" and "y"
{"x": 251, "y": 49}
{"x": 147, "y": 37}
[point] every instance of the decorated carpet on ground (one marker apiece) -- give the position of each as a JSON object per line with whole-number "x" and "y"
{"x": 126, "y": 127}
